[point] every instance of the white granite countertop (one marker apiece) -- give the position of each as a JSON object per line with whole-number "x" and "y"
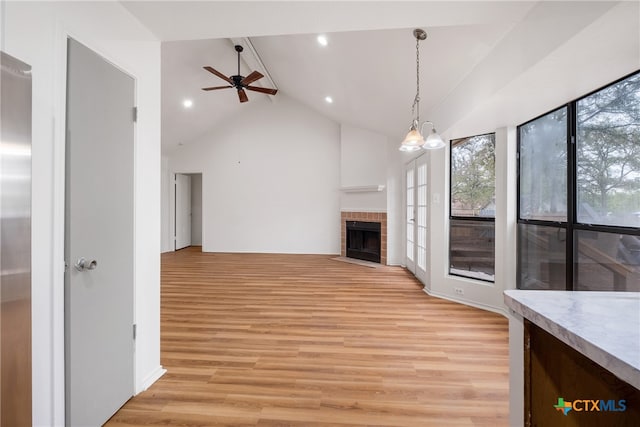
{"x": 603, "y": 326}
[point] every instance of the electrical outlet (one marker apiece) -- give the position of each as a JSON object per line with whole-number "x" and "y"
{"x": 459, "y": 291}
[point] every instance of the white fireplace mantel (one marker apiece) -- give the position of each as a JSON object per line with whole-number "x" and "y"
{"x": 363, "y": 189}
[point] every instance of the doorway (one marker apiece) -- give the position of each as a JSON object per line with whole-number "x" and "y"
{"x": 188, "y": 210}
{"x": 99, "y": 237}
{"x": 417, "y": 217}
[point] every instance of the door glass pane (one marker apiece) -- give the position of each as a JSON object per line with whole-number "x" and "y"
{"x": 422, "y": 195}
{"x": 608, "y": 155}
{"x": 422, "y": 174}
{"x": 422, "y": 216}
{"x": 607, "y": 261}
{"x": 422, "y": 258}
{"x": 542, "y": 257}
{"x": 472, "y": 249}
{"x": 410, "y": 235}
{"x": 543, "y": 167}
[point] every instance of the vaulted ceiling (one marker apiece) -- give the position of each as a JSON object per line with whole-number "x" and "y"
{"x": 368, "y": 66}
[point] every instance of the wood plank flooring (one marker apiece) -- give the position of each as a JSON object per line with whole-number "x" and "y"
{"x": 304, "y": 340}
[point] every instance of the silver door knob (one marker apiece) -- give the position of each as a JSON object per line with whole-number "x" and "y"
{"x": 82, "y": 264}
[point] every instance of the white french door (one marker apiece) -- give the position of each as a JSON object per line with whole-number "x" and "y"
{"x": 410, "y": 216}
{"x": 417, "y": 217}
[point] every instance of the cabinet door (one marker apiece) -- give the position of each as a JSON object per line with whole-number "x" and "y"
{"x": 561, "y": 386}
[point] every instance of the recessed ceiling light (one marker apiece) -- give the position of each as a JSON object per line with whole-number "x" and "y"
{"x": 187, "y": 103}
{"x": 328, "y": 99}
{"x": 322, "y": 40}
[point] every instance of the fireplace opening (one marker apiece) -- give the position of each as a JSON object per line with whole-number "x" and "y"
{"x": 363, "y": 240}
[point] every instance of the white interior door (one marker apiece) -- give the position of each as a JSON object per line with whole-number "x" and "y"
{"x": 99, "y": 238}
{"x": 410, "y": 179}
{"x": 183, "y": 211}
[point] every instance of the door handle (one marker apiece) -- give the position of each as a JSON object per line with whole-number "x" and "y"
{"x": 82, "y": 264}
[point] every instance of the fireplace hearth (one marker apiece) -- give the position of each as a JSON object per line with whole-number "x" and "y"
{"x": 363, "y": 240}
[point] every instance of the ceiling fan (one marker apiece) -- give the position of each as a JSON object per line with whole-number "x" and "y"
{"x": 240, "y": 82}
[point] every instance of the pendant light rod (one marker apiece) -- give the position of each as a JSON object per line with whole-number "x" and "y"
{"x": 238, "y": 49}
{"x": 414, "y": 139}
{"x": 419, "y": 34}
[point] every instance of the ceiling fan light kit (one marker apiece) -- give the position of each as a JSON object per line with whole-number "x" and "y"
{"x": 414, "y": 139}
{"x": 239, "y": 82}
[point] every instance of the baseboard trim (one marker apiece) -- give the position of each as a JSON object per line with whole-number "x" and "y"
{"x": 498, "y": 310}
{"x": 152, "y": 378}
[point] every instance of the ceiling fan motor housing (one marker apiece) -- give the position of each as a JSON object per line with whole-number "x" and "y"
{"x": 237, "y": 81}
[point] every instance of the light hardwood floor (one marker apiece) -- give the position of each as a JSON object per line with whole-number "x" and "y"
{"x": 304, "y": 340}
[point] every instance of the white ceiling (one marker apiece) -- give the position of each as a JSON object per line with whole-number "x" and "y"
{"x": 369, "y": 74}
{"x": 368, "y": 67}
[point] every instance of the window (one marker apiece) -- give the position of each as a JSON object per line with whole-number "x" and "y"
{"x": 472, "y": 210}
{"x": 608, "y": 155}
{"x": 543, "y": 165}
{"x": 579, "y": 193}
{"x": 542, "y": 202}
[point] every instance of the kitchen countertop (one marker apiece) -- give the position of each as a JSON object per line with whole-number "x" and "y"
{"x": 603, "y": 326}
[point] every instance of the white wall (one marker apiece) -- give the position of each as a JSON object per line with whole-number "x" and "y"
{"x": 396, "y": 241}
{"x": 270, "y": 180}
{"x": 196, "y": 209}
{"x": 363, "y": 162}
{"x": 36, "y": 33}
{"x": 166, "y": 229}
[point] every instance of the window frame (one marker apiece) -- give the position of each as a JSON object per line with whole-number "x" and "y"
{"x": 469, "y": 218}
{"x": 572, "y": 224}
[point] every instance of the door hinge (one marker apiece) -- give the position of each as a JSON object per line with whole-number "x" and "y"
{"x": 135, "y": 330}
{"x": 135, "y": 114}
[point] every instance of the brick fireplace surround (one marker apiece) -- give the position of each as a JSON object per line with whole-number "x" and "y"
{"x": 380, "y": 217}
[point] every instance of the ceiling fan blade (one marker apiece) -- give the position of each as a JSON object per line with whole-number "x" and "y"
{"x": 216, "y": 87}
{"x": 242, "y": 95}
{"x": 218, "y": 73}
{"x": 251, "y": 78}
{"x": 266, "y": 90}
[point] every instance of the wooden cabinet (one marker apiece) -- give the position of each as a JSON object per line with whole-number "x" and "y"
{"x": 554, "y": 371}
